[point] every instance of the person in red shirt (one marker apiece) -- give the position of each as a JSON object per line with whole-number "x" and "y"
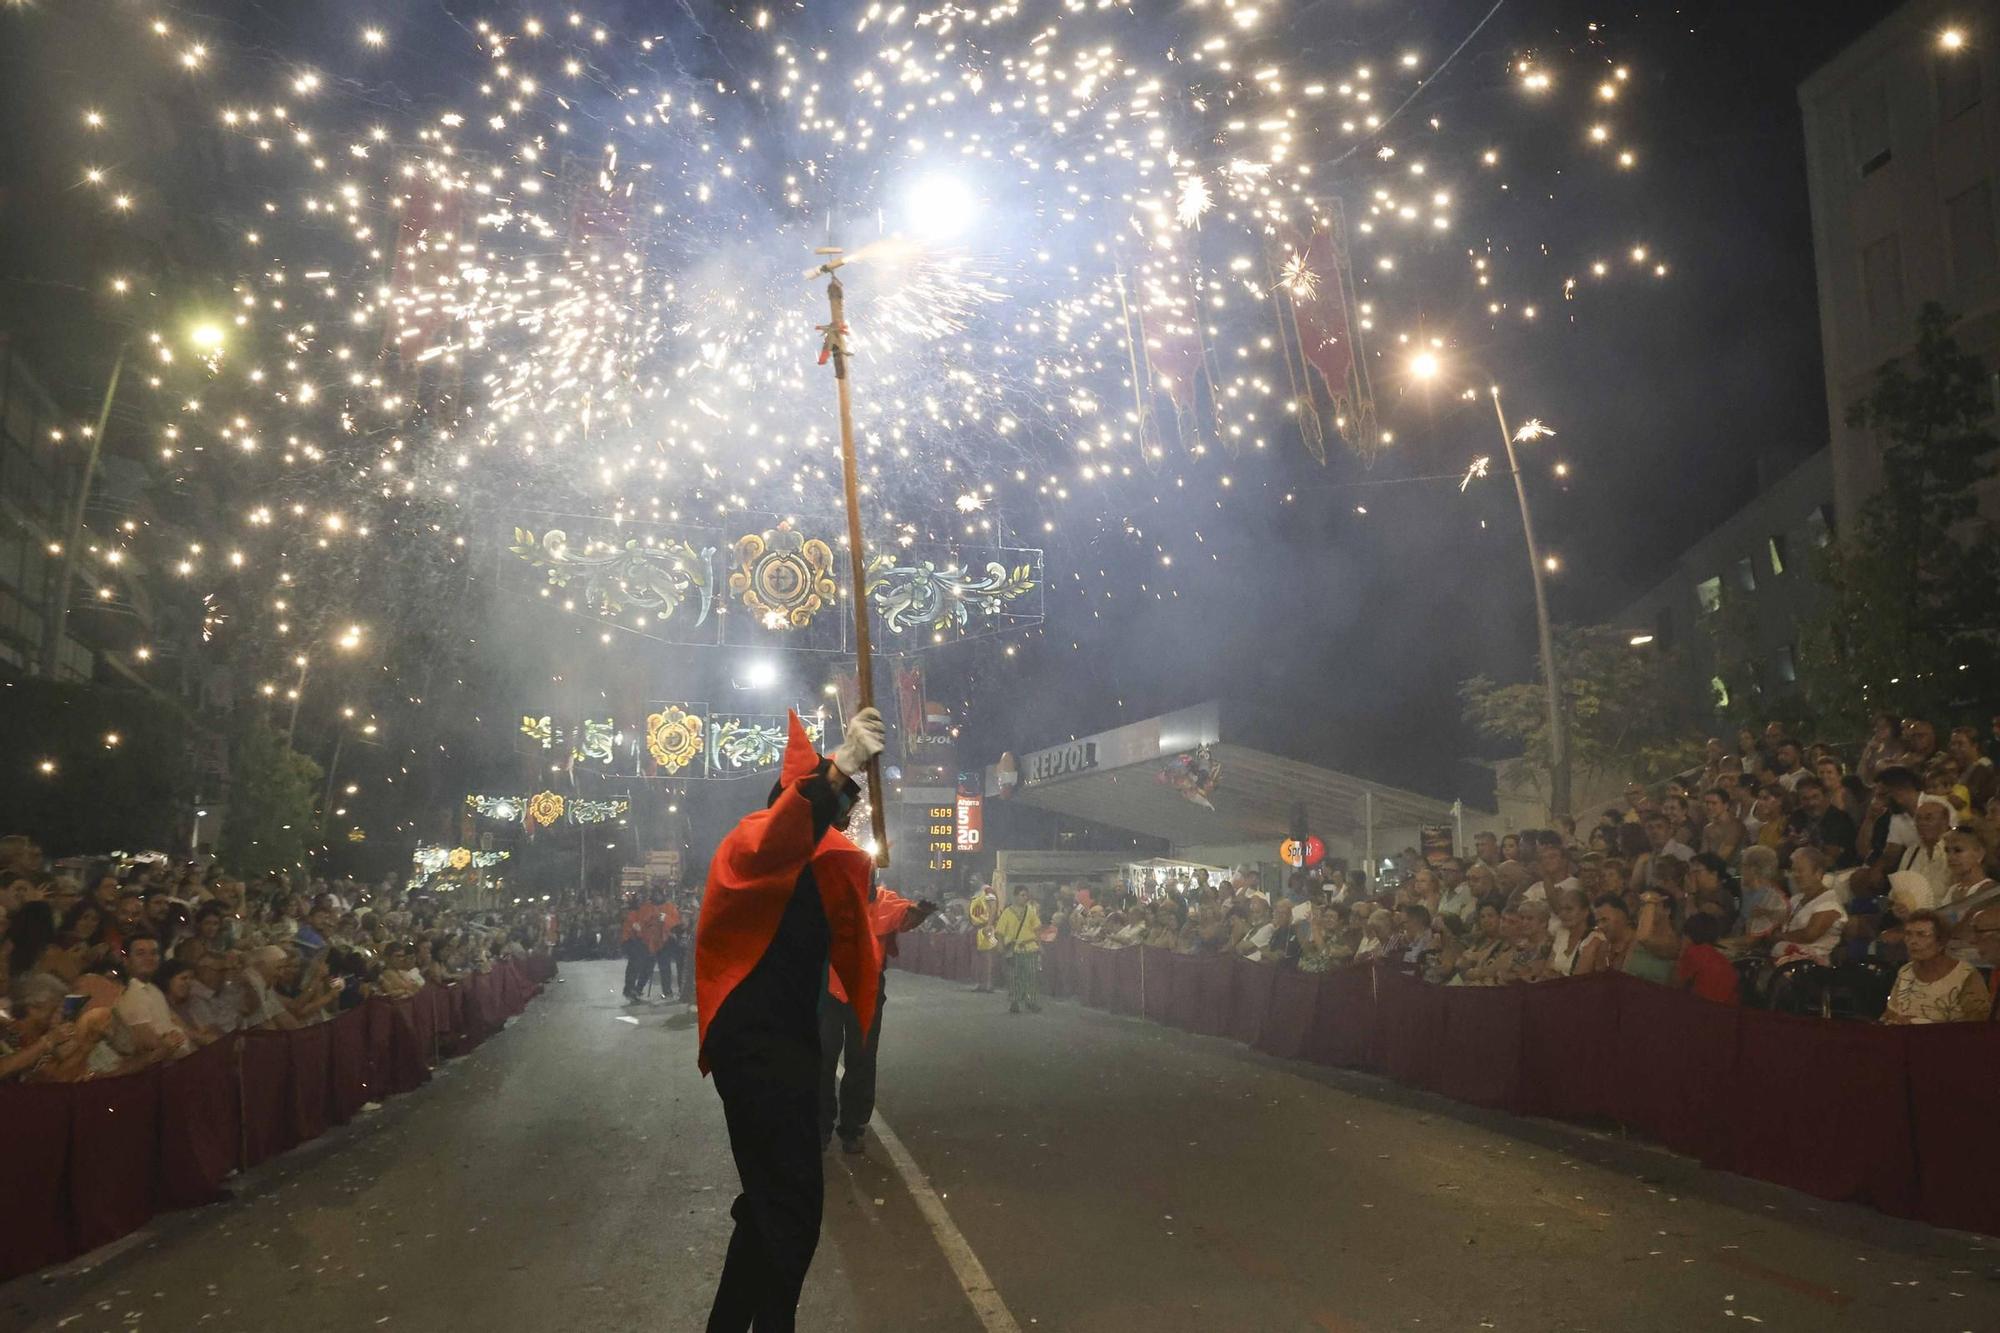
{"x": 1703, "y": 968}
{"x": 787, "y": 898}
{"x": 655, "y": 932}
{"x": 849, "y": 1106}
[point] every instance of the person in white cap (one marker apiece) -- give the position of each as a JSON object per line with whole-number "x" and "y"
{"x": 1934, "y": 817}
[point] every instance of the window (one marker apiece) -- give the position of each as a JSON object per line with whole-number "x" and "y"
{"x": 1786, "y": 665}
{"x": 1819, "y": 525}
{"x": 1746, "y": 575}
{"x": 1777, "y": 553}
{"x": 1709, "y": 593}
{"x": 1960, "y": 84}
{"x": 1882, "y": 281}
{"x": 1868, "y": 130}
{"x": 1968, "y": 223}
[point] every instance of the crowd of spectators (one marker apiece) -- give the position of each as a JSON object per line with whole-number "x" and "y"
{"x": 138, "y": 961}
{"x": 1775, "y": 873}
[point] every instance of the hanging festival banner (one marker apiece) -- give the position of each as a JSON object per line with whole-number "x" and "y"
{"x": 546, "y": 808}
{"x": 773, "y": 585}
{"x": 676, "y": 740}
{"x": 743, "y": 744}
{"x": 1321, "y": 331}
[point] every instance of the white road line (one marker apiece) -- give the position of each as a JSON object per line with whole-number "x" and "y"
{"x": 965, "y": 1265}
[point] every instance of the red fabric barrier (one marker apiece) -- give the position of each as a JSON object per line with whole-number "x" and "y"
{"x": 1058, "y": 967}
{"x": 1479, "y": 1051}
{"x": 1187, "y": 994}
{"x": 381, "y": 1049}
{"x": 1157, "y": 973}
{"x": 114, "y": 1157}
{"x": 1409, "y": 1025}
{"x": 34, "y": 1195}
{"x": 406, "y": 1067}
{"x": 1823, "y": 1107}
{"x": 481, "y": 1020}
{"x": 1249, "y": 999}
{"x": 1292, "y": 1014}
{"x": 1567, "y": 1038}
{"x": 1122, "y": 996}
{"x": 310, "y": 1050}
{"x": 347, "y": 1074}
{"x": 1668, "y": 1072}
{"x": 1954, "y": 1105}
{"x": 1344, "y": 1019}
{"x": 1089, "y": 989}
{"x": 201, "y": 1126}
{"x": 424, "y": 1020}
{"x": 266, "y": 1069}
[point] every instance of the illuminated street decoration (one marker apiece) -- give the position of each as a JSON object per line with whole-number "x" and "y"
{"x": 924, "y": 596}
{"x": 745, "y": 744}
{"x": 541, "y": 730}
{"x": 784, "y": 577}
{"x": 544, "y": 809}
{"x": 637, "y": 574}
{"x": 673, "y": 738}
{"x": 508, "y": 809}
{"x": 431, "y": 860}
{"x": 596, "y": 742}
{"x": 582, "y": 811}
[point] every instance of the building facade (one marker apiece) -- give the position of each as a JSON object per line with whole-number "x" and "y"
{"x": 1727, "y": 615}
{"x": 35, "y": 495}
{"x": 1902, "y": 158}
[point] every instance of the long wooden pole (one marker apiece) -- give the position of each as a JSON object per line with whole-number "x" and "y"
{"x": 864, "y": 655}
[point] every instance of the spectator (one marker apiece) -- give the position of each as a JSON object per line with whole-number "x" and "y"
{"x": 1933, "y": 818}
{"x": 1883, "y": 750}
{"x": 1762, "y": 909}
{"x": 1818, "y": 822}
{"x": 176, "y": 981}
{"x": 1723, "y": 833}
{"x": 143, "y": 1007}
{"x": 1895, "y": 827}
{"x": 1573, "y": 927}
{"x": 1968, "y": 890}
{"x": 1614, "y": 931}
{"x": 217, "y": 998}
{"x": 1975, "y": 769}
{"x": 1701, "y": 967}
{"x": 1457, "y": 901}
{"x": 1552, "y": 863}
{"x": 1813, "y": 929}
{"x": 1934, "y": 987}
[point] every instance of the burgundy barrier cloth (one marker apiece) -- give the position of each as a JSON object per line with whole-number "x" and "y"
{"x": 1157, "y": 992}
{"x": 201, "y": 1126}
{"x": 1289, "y": 1020}
{"x": 1479, "y": 1051}
{"x": 1824, "y": 1107}
{"x": 114, "y": 1155}
{"x": 1670, "y": 1069}
{"x": 1409, "y": 1025}
{"x": 1126, "y": 981}
{"x": 424, "y": 1019}
{"x": 347, "y": 1079}
{"x": 1058, "y": 966}
{"x": 266, "y": 1066}
{"x": 311, "y": 1056}
{"x": 34, "y": 1218}
{"x": 1954, "y": 1105}
{"x": 1570, "y": 1029}
{"x": 108, "y": 1152}
{"x": 1249, "y": 999}
{"x": 1887, "y": 1116}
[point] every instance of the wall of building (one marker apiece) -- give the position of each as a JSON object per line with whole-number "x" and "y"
{"x": 1903, "y": 162}
{"x": 35, "y": 482}
{"x": 1759, "y": 559}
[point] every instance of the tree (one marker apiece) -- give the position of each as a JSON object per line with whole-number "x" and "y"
{"x": 272, "y": 790}
{"x": 93, "y": 770}
{"x": 1621, "y": 708}
{"x": 1914, "y": 586}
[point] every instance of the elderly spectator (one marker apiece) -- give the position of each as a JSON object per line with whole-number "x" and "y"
{"x": 1458, "y": 900}
{"x": 75, "y": 1050}
{"x": 1934, "y": 987}
{"x": 1968, "y": 889}
{"x": 1614, "y": 938}
{"x": 1818, "y": 822}
{"x": 1975, "y": 769}
{"x": 1573, "y": 927}
{"x": 1762, "y": 910}
{"x": 176, "y": 982}
{"x": 1552, "y": 864}
{"x": 217, "y": 997}
{"x": 1934, "y": 817}
{"x": 1813, "y": 929}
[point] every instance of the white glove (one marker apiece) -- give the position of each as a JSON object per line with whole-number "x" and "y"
{"x": 866, "y": 734}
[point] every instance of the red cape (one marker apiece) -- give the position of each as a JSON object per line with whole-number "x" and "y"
{"x": 750, "y": 880}
{"x": 886, "y": 915}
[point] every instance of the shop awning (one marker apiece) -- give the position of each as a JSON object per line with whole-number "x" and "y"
{"x": 1125, "y": 779}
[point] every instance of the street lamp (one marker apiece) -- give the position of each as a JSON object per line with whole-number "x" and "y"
{"x": 207, "y": 339}
{"x": 1427, "y": 366}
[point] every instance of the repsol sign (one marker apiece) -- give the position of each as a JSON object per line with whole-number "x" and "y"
{"x": 1058, "y": 762}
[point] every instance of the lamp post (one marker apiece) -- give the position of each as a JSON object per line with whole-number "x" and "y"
{"x": 1559, "y": 775}
{"x": 1428, "y": 366}
{"x": 57, "y": 607}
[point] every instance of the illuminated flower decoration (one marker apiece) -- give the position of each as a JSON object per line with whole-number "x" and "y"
{"x": 538, "y": 729}
{"x": 460, "y": 858}
{"x": 673, "y": 738}
{"x": 783, "y": 576}
{"x": 544, "y": 809}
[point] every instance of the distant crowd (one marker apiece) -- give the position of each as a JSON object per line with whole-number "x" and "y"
{"x": 141, "y": 961}
{"x": 1777, "y": 873}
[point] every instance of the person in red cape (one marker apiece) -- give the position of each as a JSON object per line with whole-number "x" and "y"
{"x": 848, "y": 1106}
{"x": 787, "y": 898}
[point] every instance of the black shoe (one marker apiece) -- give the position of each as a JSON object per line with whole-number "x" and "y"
{"x": 850, "y": 1146}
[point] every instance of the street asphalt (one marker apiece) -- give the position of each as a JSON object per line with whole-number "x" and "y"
{"x": 573, "y": 1174}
